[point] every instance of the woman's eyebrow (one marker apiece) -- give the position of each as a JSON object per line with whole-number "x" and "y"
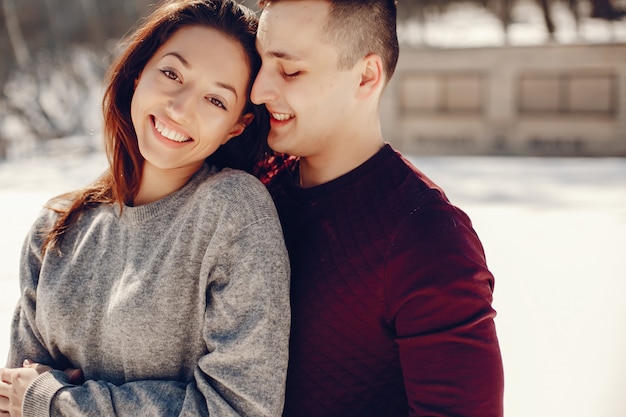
{"x": 228, "y": 87}
{"x": 180, "y": 58}
{"x": 187, "y": 65}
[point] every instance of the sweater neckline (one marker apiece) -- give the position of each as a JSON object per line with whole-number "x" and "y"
{"x": 145, "y": 212}
{"x": 342, "y": 181}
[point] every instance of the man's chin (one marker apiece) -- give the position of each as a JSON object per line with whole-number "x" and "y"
{"x": 278, "y": 143}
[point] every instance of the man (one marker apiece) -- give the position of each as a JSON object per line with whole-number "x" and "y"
{"x": 391, "y": 295}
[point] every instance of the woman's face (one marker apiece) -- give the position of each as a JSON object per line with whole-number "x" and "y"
{"x": 189, "y": 98}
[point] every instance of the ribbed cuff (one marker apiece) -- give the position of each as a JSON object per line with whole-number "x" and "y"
{"x": 39, "y": 394}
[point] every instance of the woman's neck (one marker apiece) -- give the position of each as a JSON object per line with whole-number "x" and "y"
{"x": 157, "y": 183}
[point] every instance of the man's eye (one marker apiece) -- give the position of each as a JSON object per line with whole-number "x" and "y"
{"x": 290, "y": 75}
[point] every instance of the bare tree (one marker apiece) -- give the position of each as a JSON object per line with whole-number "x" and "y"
{"x": 16, "y": 37}
{"x": 56, "y": 26}
{"x": 418, "y": 11}
{"x": 20, "y": 51}
{"x": 93, "y": 21}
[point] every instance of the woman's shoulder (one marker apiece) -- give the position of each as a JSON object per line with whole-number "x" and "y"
{"x": 46, "y": 218}
{"x": 52, "y": 208}
{"x": 235, "y": 184}
{"x": 237, "y": 191}
{"x": 236, "y": 175}
{"x": 62, "y": 202}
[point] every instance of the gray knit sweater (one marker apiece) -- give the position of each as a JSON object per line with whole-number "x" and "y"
{"x": 178, "y": 307}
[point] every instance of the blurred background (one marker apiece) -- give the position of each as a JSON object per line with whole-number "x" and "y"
{"x": 503, "y": 77}
{"x": 516, "y": 108}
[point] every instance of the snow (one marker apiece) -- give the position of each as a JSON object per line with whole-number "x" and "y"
{"x": 554, "y": 231}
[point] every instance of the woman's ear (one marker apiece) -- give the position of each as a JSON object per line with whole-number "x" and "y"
{"x": 247, "y": 118}
{"x": 137, "y": 80}
{"x": 372, "y": 76}
{"x": 239, "y": 127}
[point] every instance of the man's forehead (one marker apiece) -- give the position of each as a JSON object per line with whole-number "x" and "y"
{"x": 291, "y": 23}
{"x": 276, "y": 52}
{"x": 289, "y": 36}
{"x": 294, "y": 14}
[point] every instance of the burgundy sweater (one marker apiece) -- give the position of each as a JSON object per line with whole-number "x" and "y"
{"x": 391, "y": 298}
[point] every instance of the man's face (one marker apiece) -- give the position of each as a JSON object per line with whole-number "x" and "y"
{"x": 308, "y": 97}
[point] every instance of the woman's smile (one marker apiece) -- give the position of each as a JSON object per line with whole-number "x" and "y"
{"x": 170, "y": 133}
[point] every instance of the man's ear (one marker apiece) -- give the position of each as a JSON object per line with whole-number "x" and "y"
{"x": 239, "y": 127}
{"x": 372, "y": 76}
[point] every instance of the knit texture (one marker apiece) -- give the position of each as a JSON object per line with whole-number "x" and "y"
{"x": 178, "y": 307}
{"x": 391, "y": 298}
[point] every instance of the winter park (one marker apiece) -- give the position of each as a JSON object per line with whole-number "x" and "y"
{"x": 543, "y": 181}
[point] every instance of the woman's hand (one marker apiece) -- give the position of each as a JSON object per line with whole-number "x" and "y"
{"x": 13, "y": 385}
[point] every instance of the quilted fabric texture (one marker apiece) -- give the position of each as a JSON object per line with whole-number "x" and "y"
{"x": 391, "y": 298}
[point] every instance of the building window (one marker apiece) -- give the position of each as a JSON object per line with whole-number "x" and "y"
{"x": 443, "y": 93}
{"x": 568, "y": 93}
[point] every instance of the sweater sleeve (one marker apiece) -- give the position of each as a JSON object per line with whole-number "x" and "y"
{"x": 440, "y": 294}
{"x": 245, "y": 329}
{"x": 25, "y": 340}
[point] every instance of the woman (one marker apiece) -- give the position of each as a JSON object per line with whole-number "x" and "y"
{"x": 165, "y": 283}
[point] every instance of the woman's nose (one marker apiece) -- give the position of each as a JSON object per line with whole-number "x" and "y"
{"x": 180, "y": 105}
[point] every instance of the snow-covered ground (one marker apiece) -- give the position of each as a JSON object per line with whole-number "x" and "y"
{"x": 555, "y": 235}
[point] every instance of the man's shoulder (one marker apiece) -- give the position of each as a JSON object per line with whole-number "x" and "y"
{"x": 398, "y": 179}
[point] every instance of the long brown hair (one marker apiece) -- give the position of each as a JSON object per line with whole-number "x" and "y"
{"x": 120, "y": 183}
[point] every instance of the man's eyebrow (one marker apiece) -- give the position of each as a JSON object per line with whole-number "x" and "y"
{"x": 283, "y": 55}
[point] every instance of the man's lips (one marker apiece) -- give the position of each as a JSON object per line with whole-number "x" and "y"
{"x": 282, "y": 117}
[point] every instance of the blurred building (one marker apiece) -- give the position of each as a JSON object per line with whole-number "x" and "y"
{"x": 560, "y": 97}
{"x": 524, "y": 100}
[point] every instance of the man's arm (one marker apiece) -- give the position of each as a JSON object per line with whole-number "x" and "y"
{"x": 440, "y": 300}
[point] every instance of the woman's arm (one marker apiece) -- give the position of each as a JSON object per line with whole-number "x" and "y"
{"x": 245, "y": 330}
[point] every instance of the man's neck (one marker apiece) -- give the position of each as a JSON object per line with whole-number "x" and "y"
{"x": 317, "y": 170}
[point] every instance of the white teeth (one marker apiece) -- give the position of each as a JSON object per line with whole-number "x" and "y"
{"x": 170, "y": 134}
{"x": 281, "y": 117}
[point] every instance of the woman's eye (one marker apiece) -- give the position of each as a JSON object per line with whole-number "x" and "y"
{"x": 171, "y": 74}
{"x": 217, "y": 102}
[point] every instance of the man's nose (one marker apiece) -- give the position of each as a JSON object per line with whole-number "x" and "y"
{"x": 263, "y": 89}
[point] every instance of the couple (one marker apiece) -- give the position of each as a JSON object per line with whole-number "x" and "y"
{"x": 163, "y": 288}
